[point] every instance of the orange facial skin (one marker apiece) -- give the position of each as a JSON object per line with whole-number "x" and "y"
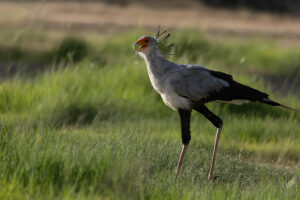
{"x": 143, "y": 43}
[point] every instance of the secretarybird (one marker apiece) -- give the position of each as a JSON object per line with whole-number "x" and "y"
{"x": 189, "y": 87}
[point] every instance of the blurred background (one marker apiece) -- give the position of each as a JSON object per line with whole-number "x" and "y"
{"x": 32, "y": 32}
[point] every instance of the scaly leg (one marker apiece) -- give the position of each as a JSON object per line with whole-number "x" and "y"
{"x": 214, "y": 153}
{"x": 185, "y": 116}
{"x": 184, "y": 147}
{"x": 215, "y": 120}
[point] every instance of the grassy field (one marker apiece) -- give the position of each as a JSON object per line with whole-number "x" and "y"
{"x": 91, "y": 126}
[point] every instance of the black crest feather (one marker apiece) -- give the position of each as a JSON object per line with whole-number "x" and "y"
{"x": 165, "y": 48}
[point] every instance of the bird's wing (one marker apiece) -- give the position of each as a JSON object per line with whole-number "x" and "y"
{"x": 197, "y": 83}
{"x": 201, "y": 84}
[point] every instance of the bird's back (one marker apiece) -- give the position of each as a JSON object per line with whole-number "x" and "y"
{"x": 201, "y": 85}
{"x": 195, "y": 82}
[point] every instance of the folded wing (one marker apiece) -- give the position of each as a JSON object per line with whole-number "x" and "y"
{"x": 199, "y": 84}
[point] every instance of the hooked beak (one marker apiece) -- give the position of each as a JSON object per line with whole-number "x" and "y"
{"x": 139, "y": 45}
{"x": 136, "y": 46}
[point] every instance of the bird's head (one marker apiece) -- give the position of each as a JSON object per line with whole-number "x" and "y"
{"x": 144, "y": 44}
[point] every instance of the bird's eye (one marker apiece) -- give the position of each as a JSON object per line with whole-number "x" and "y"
{"x": 146, "y": 40}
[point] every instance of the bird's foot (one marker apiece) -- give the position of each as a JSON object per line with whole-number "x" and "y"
{"x": 213, "y": 178}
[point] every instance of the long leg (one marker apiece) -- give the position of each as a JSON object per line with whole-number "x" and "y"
{"x": 214, "y": 153}
{"x": 185, "y": 116}
{"x": 218, "y": 123}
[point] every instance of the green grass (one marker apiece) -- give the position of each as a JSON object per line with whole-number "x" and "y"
{"x": 95, "y": 129}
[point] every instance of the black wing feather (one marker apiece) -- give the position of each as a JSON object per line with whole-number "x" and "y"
{"x": 237, "y": 91}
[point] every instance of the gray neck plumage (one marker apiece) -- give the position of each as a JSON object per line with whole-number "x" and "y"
{"x": 156, "y": 63}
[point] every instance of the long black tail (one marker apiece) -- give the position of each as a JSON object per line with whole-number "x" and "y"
{"x": 238, "y": 91}
{"x": 246, "y": 92}
{"x": 273, "y": 103}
